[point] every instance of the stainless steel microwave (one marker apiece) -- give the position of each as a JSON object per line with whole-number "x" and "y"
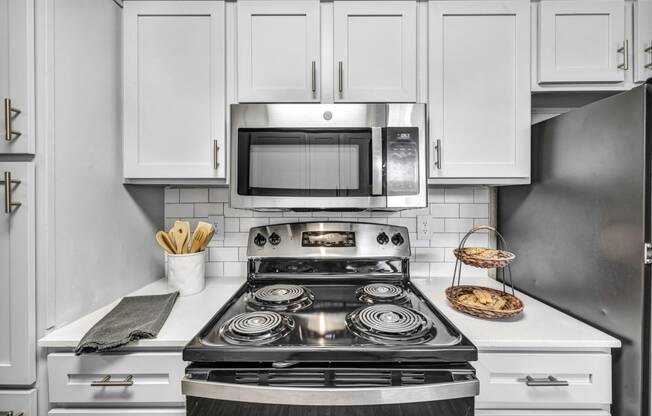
{"x": 328, "y": 156}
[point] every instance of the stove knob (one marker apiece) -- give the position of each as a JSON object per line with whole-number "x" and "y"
{"x": 260, "y": 240}
{"x": 274, "y": 239}
{"x": 397, "y": 239}
{"x": 382, "y": 238}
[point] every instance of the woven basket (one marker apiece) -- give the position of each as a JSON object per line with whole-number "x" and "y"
{"x": 513, "y": 307}
{"x": 483, "y": 262}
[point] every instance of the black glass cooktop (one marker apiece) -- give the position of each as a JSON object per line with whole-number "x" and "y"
{"x": 329, "y": 322}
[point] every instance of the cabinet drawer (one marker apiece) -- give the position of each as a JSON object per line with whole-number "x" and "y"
{"x": 145, "y": 411}
{"x": 18, "y": 401}
{"x": 155, "y": 378}
{"x": 503, "y": 378}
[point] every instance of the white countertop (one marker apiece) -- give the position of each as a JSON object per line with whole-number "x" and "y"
{"x": 539, "y": 327}
{"x": 189, "y": 315}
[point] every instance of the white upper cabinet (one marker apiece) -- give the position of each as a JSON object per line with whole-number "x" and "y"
{"x": 17, "y": 76}
{"x": 375, "y": 51}
{"x": 582, "y": 41}
{"x": 642, "y": 40}
{"x": 278, "y": 51}
{"x": 174, "y": 89}
{"x": 17, "y": 278}
{"x": 479, "y": 57}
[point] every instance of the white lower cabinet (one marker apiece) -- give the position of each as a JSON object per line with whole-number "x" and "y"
{"x": 140, "y": 378}
{"x": 18, "y": 401}
{"x": 515, "y": 380}
{"x": 17, "y": 281}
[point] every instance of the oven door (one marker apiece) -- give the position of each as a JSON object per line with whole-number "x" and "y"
{"x": 309, "y": 168}
{"x": 315, "y": 392}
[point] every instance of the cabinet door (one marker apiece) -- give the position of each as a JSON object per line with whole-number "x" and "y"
{"x": 479, "y": 89}
{"x": 174, "y": 99}
{"x": 581, "y": 41}
{"x": 278, "y": 51}
{"x": 642, "y": 40}
{"x": 18, "y": 401}
{"x": 17, "y": 303}
{"x": 17, "y": 76}
{"x": 375, "y": 51}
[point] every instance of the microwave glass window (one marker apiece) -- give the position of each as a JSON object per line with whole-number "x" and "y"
{"x": 304, "y": 162}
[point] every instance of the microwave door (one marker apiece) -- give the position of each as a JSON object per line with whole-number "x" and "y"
{"x": 309, "y": 168}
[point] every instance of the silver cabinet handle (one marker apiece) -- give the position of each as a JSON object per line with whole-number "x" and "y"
{"x": 625, "y": 51}
{"x": 10, "y": 113}
{"x": 216, "y": 153}
{"x": 314, "y": 76}
{"x": 550, "y": 381}
{"x": 11, "y": 413}
{"x": 438, "y": 153}
{"x": 340, "y": 75}
{"x": 9, "y": 203}
{"x": 107, "y": 382}
{"x": 649, "y": 50}
{"x": 353, "y": 396}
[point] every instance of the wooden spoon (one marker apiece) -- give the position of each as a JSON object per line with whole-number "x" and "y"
{"x": 164, "y": 241}
{"x": 181, "y": 230}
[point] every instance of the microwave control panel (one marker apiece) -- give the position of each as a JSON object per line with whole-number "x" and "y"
{"x": 402, "y": 160}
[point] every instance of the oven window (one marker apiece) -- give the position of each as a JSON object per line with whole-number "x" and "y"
{"x": 305, "y": 162}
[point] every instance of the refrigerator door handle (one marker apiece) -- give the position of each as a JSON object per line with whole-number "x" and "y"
{"x": 647, "y": 253}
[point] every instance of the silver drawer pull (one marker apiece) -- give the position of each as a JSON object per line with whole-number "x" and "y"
{"x": 11, "y": 413}
{"x": 8, "y": 183}
{"x": 625, "y": 51}
{"x": 10, "y": 113}
{"x": 549, "y": 381}
{"x": 216, "y": 154}
{"x": 106, "y": 382}
{"x": 649, "y": 50}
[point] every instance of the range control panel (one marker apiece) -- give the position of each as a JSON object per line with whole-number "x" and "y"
{"x": 329, "y": 239}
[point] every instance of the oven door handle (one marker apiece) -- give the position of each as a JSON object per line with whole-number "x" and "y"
{"x": 345, "y": 396}
{"x": 376, "y": 161}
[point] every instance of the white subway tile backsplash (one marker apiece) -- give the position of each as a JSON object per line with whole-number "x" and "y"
{"x": 194, "y": 195}
{"x": 481, "y": 195}
{"x": 436, "y": 195}
{"x": 445, "y": 210}
{"x": 171, "y": 195}
{"x": 247, "y": 223}
{"x": 459, "y": 225}
{"x": 452, "y": 212}
{"x": 218, "y": 194}
{"x": 223, "y": 254}
{"x": 179, "y": 210}
{"x": 474, "y": 210}
{"x": 461, "y": 195}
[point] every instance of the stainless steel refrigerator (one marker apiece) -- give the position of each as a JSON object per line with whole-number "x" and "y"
{"x": 580, "y": 230}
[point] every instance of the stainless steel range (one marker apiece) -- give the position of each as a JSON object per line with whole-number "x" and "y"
{"x": 329, "y": 323}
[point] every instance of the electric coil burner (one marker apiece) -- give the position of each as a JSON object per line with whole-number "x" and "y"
{"x": 381, "y": 293}
{"x": 257, "y": 328}
{"x": 282, "y": 297}
{"x": 328, "y": 324}
{"x": 390, "y": 323}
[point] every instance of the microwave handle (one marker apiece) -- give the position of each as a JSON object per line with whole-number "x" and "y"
{"x": 376, "y": 161}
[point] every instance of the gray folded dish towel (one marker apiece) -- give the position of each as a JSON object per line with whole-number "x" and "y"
{"x": 134, "y": 318}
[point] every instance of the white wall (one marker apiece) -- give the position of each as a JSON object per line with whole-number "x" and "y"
{"x": 100, "y": 233}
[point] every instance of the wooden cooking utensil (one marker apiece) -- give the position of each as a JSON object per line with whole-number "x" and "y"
{"x": 164, "y": 241}
{"x": 181, "y": 230}
{"x": 200, "y": 236}
{"x": 207, "y": 239}
{"x": 197, "y": 240}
